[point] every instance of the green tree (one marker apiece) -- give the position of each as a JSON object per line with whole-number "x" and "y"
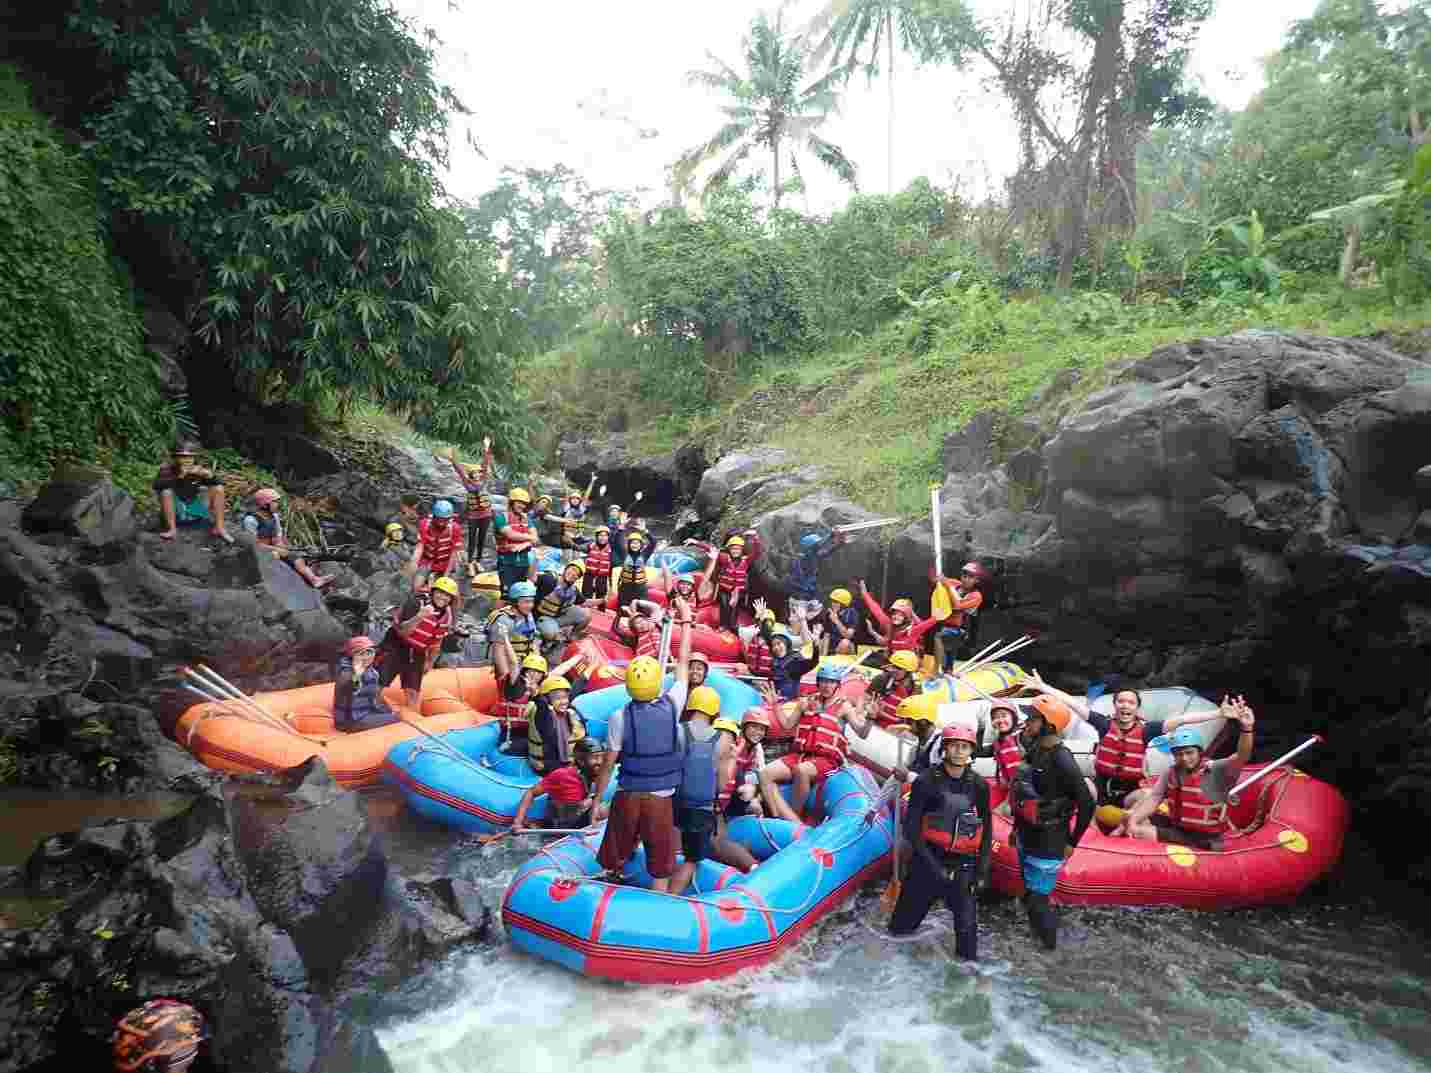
{"x": 290, "y": 148}
{"x": 769, "y": 106}
{"x": 852, "y": 33}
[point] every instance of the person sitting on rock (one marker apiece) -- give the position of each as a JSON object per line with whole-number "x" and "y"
{"x": 553, "y": 725}
{"x": 190, "y": 495}
{"x": 597, "y": 580}
{"x": 438, "y": 541}
{"x": 901, "y": 630}
{"x": 358, "y": 702}
{"x": 805, "y": 572}
{"x": 569, "y": 789}
{"x": 477, "y": 509}
{"x": 965, "y": 600}
{"x": 1195, "y": 788}
{"x": 821, "y": 746}
{"x": 515, "y": 539}
{"x": 266, "y": 525}
{"x": 891, "y": 686}
{"x": 413, "y": 642}
{"x": 559, "y": 607}
{"x": 841, "y": 622}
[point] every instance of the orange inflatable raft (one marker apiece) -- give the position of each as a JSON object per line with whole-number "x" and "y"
{"x": 227, "y": 738}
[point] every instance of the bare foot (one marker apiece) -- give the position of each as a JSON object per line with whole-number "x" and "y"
{"x": 168, "y": 534}
{"x": 222, "y": 534}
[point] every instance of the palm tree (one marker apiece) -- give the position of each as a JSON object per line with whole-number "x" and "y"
{"x": 768, "y": 106}
{"x": 849, "y": 26}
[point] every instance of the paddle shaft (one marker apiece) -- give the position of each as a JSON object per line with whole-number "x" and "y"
{"x": 1315, "y": 739}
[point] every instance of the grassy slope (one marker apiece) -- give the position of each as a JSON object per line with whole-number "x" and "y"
{"x": 874, "y": 415}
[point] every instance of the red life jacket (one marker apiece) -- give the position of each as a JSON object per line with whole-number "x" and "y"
{"x": 1008, "y": 755}
{"x": 904, "y": 640}
{"x": 732, "y": 573}
{"x": 744, "y": 764}
{"x": 431, "y": 628}
{"x": 889, "y": 704}
{"x": 1190, "y": 809}
{"x": 955, "y": 826}
{"x": 1120, "y": 756}
{"x": 512, "y": 714}
{"x": 438, "y": 545}
{"x": 517, "y": 531}
{"x": 478, "y": 507}
{"x": 758, "y": 659}
{"x": 598, "y": 560}
{"x": 821, "y": 734}
{"x": 649, "y": 644}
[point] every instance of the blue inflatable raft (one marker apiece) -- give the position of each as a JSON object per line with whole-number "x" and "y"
{"x": 482, "y": 793}
{"x": 556, "y": 909}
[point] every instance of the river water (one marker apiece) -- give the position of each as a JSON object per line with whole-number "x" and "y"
{"x": 1335, "y": 983}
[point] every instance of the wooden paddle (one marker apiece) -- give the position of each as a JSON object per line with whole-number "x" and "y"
{"x": 890, "y": 897}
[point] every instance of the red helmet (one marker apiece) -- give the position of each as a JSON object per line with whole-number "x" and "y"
{"x": 162, "y": 1036}
{"x": 973, "y": 569}
{"x": 266, "y": 497}
{"x": 354, "y": 645}
{"x": 755, "y": 717}
{"x": 959, "y": 732}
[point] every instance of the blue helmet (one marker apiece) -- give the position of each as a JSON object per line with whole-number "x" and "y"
{"x": 828, "y": 672}
{"x": 442, "y": 509}
{"x": 522, "y": 590}
{"x": 810, "y": 540}
{"x": 1184, "y": 738}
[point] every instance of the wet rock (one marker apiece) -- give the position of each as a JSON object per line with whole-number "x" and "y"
{"x": 970, "y": 448}
{"x": 82, "y": 503}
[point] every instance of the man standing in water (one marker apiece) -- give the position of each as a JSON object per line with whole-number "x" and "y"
{"x": 949, "y": 828}
{"x": 1046, "y": 791}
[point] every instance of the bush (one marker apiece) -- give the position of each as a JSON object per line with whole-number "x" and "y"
{"x": 75, "y": 382}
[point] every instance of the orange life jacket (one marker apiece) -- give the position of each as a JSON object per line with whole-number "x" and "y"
{"x": 820, "y": 733}
{"x": 649, "y": 644}
{"x": 1190, "y": 808}
{"x": 744, "y": 764}
{"x": 1120, "y": 756}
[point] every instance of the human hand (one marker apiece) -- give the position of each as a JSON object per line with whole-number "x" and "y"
{"x": 518, "y": 826}
{"x": 863, "y": 589}
{"x": 759, "y": 604}
{"x": 901, "y": 774}
{"x": 600, "y": 811}
{"x": 1245, "y": 715}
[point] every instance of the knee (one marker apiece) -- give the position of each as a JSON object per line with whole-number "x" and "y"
{"x": 548, "y": 628}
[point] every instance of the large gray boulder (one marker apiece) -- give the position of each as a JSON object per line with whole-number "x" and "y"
{"x": 82, "y": 503}
{"x": 664, "y": 480}
{"x": 736, "y": 468}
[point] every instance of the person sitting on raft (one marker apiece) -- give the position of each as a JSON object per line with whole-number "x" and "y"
{"x": 696, "y": 591}
{"x": 901, "y": 630}
{"x": 553, "y": 725}
{"x": 965, "y": 600}
{"x": 889, "y": 688}
{"x": 640, "y": 627}
{"x": 438, "y": 540}
{"x": 742, "y": 764}
{"x": 644, "y": 738}
{"x": 266, "y": 525}
{"x": 841, "y": 622}
{"x": 413, "y": 642}
{"x": 755, "y": 641}
{"x": 916, "y": 719}
{"x": 514, "y": 623}
{"x": 559, "y": 607}
{"x": 190, "y": 495}
{"x": 1194, "y": 788}
{"x": 1118, "y": 763}
{"x": 1047, "y": 790}
{"x": 515, "y": 538}
{"x": 821, "y": 746}
{"x": 950, "y": 829}
{"x": 477, "y": 508}
{"x": 517, "y": 690}
{"x": 570, "y": 790}
{"x": 596, "y": 581}
{"x": 632, "y": 581}
{"x": 805, "y": 572}
{"x": 358, "y": 702}
{"x": 787, "y": 665}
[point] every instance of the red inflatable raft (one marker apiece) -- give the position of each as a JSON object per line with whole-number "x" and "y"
{"x": 1287, "y": 833}
{"x": 719, "y": 645}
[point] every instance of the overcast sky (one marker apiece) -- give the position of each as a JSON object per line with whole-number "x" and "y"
{"x": 579, "y": 81}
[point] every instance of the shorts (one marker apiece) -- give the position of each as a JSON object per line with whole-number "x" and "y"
{"x": 644, "y": 817}
{"x": 698, "y": 829}
{"x": 824, "y": 766}
{"x": 1170, "y": 832}
{"x": 400, "y": 658}
{"x": 192, "y": 511}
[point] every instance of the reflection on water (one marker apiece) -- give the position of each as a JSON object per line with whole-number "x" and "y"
{"x": 28, "y": 817}
{"x": 1315, "y": 988}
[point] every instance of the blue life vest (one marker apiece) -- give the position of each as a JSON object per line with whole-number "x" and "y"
{"x": 650, "y": 746}
{"x": 787, "y": 682}
{"x": 698, "y": 775}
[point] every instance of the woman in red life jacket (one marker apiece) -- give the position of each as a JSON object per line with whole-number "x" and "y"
{"x": 1194, "y": 788}
{"x": 477, "y": 510}
{"x": 412, "y": 643}
{"x": 1007, "y": 748}
{"x": 821, "y": 746}
{"x": 640, "y": 627}
{"x": 900, "y": 630}
{"x": 438, "y": 540}
{"x": 892, "y": 686}
{"x": 732, "y": 580}
{"x": 596, "y": 582}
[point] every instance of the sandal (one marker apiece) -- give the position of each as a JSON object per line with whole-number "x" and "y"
{"x": 222, "y": 534}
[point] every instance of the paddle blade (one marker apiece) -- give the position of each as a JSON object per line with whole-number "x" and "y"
{"x": 1096, "y": 690}
{"x": 940, "y": 605}
{"x": 890, "y": 897}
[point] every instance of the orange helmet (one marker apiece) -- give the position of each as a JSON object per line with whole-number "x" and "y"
{"x": 162, "y": 1036}
{"x": 1055, "y": 713}
{"x": 755, "y": 717}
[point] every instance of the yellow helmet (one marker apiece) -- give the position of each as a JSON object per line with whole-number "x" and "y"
{"x": 704, "y": 699}
{"x": 905, "y": 661}
{"x": 519, "y": 495}
{"x": 765, "y": 616}
{"x": 535, "y": 661}
{"x": 916, "y": 709}
{"x": 394, "y": 531}
{"x": 643, "y": 678}
{"x": 445, "y": 584}
{"x": 735, "y": 542}
{"x": 544, "y": 499}
{"x": 551, "y": 683}
{"x": 841, "y": 597}
{"x": 635, "y": 537}
{"x": 726, "y": 724}
{"x": 578, "y": 563}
